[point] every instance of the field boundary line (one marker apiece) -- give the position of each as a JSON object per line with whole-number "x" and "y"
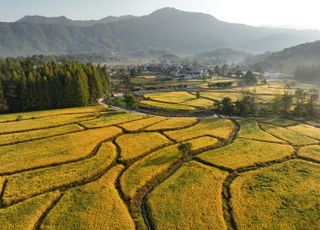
{"x": 43, "y": 216}
{"x": 92, "y": 154}
{"x": 48, "y": 127}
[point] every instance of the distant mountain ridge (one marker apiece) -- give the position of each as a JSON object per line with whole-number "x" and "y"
{"x": 224, "y": 55}
{"x": 183, "y": 33}
{"x": 64, "y": 21}
{"x": 288, "y": 59}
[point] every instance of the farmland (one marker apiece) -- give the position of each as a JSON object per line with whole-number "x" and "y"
{"x": 97, "y": 168}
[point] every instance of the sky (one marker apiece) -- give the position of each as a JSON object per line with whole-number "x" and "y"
{"x": 275, "y": 13}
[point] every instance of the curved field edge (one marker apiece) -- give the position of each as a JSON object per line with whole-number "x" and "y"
{"x": 54, "y": 151}
{"x": 93, "y": 206}
{"x": 243, "y": 153}
{"x": 23, "y": 186}
{"x": 191, "y": 198}
{"x": 287, "y": 193}
{"x": 26, "y": 215}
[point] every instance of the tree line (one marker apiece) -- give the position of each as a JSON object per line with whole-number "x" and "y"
{"x": 301, "y": 103}
{"x": 308, "y": 73}
{"x": 31, "y": 83}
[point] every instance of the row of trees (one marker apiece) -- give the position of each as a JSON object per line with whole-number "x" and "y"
{"x": 308, "y": 73}
{"x": 301, "y": 103}
{"x": 26, "y": 84}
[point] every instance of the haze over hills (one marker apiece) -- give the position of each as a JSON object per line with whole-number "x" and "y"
{"x": 288, "y": 59}
{"x": 64, "y": 21}
{"x": 224, "y": 55}
{"x": 179, "y": 32}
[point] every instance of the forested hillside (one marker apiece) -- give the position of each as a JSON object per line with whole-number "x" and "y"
{"x": 288, "y": 59}
{"x": 183, "y": 33}
{"x": 31, "y": 84}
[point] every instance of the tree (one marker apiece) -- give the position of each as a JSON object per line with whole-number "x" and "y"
{"x": 217, "y": 70}
{"x": 225, "y": 106}
{"x": 249, "y": 79}
{"x": 301, "y": 97}
{"x": 130, "y": 101}
{"x": 198, "y": 94}
{"x": 313, "y": 103}
{"x": 185, "y": 150}
{"x": 3, "y": 104}
{"x": 286, "y": 103}
{"x": 40, "y": 82}
{"x": 247, "y": 104}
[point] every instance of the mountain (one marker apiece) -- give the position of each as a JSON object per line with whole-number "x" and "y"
{"x": 64, "y": 21}
{"x": 179, "y": 32}
{"x": 224, "y": 55}
{"x": 150, "y": 53}
{"x": 288, "y": 59}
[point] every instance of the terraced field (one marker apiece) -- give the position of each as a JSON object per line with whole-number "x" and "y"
{"x": 95, "y": 168}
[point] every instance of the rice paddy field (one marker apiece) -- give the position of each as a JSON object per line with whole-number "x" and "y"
{"x": 97, "y": 168}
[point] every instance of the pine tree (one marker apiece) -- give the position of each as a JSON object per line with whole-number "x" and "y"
{"x": 3, "y": 105}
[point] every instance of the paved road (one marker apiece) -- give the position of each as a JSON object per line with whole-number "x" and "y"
{"x": 147, "y": 113}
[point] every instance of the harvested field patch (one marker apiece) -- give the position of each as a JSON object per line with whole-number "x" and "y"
{"x": 135, "y": 145}
{"x": 54, "y": 150}
{"x": 288, "y": 135}
{"x": 173, "y": 123}
{"x": 156, "y": 163}
{"x": 93, "y": 206}
{"x": 221, "y": 128}
{"x": 242, "y": 153}
{"x": 190, "y": 198}
{"x": 25, "y": 185}
{"x": 283, "y": 196}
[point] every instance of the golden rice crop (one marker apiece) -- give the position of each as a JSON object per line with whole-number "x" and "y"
{"x": 52, "y": 150}
{"x": 288, "y": 135}
{"x": 138, "y": 125}
{"x": 54, "y": 112}
{"x": 44, "y": 122}
{"x": 112, "y": 119}
{"x": 221, "y": 128}
{"x": 167, "y": 106}
{"x": 277, "y": 121}
{"x": 250, "y": 129}
{"x": 284, "y": 196}
{"x": 156, "y": 163}
{"x": 42, "y": 133}
{"x": 190, "y": 198}
{"x": 174, "y": 97}
{"x": 173, "y": 123}
{"x": 135, "y": 145}
{"x": 307, "y": 130}
{"x": 218, "y": 96}
{"x": 22, "y": 186}
{"x": 243, "y": 152}
{"x": 25, "y": 215}
{"x": 202, "y": 103}
{"x": 93, "y": 206}
{"x": 311, "y": 151}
